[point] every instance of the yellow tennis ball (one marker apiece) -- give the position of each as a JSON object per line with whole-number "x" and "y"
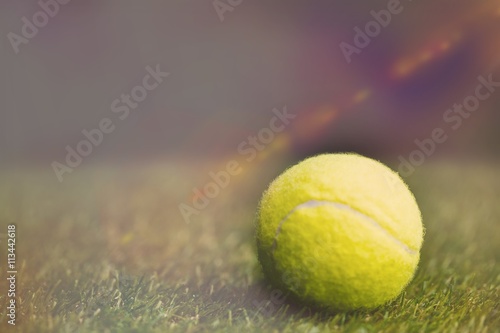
{"x": 341, "y": 231}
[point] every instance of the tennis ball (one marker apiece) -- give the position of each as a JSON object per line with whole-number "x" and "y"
{"x": 341, "y": 231}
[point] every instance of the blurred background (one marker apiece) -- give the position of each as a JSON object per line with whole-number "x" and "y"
{"x": 115, "y": 114}
{"x": 231, "y": 64}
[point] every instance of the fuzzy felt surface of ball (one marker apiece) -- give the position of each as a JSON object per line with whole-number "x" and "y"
{"x": 340, "y": 231}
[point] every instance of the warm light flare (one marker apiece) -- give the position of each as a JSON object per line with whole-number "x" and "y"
{"x": 314, "y": 121}
{"x": 361, "y": 96}
{"x": 409, "y": 65}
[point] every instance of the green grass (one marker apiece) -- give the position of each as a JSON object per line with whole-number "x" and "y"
{"x": 108, "y": 251}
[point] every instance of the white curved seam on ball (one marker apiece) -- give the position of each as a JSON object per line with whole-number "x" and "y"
{"x": 316, "y": 203}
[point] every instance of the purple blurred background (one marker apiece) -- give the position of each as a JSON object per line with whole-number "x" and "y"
{"x": 230, "y": 69}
